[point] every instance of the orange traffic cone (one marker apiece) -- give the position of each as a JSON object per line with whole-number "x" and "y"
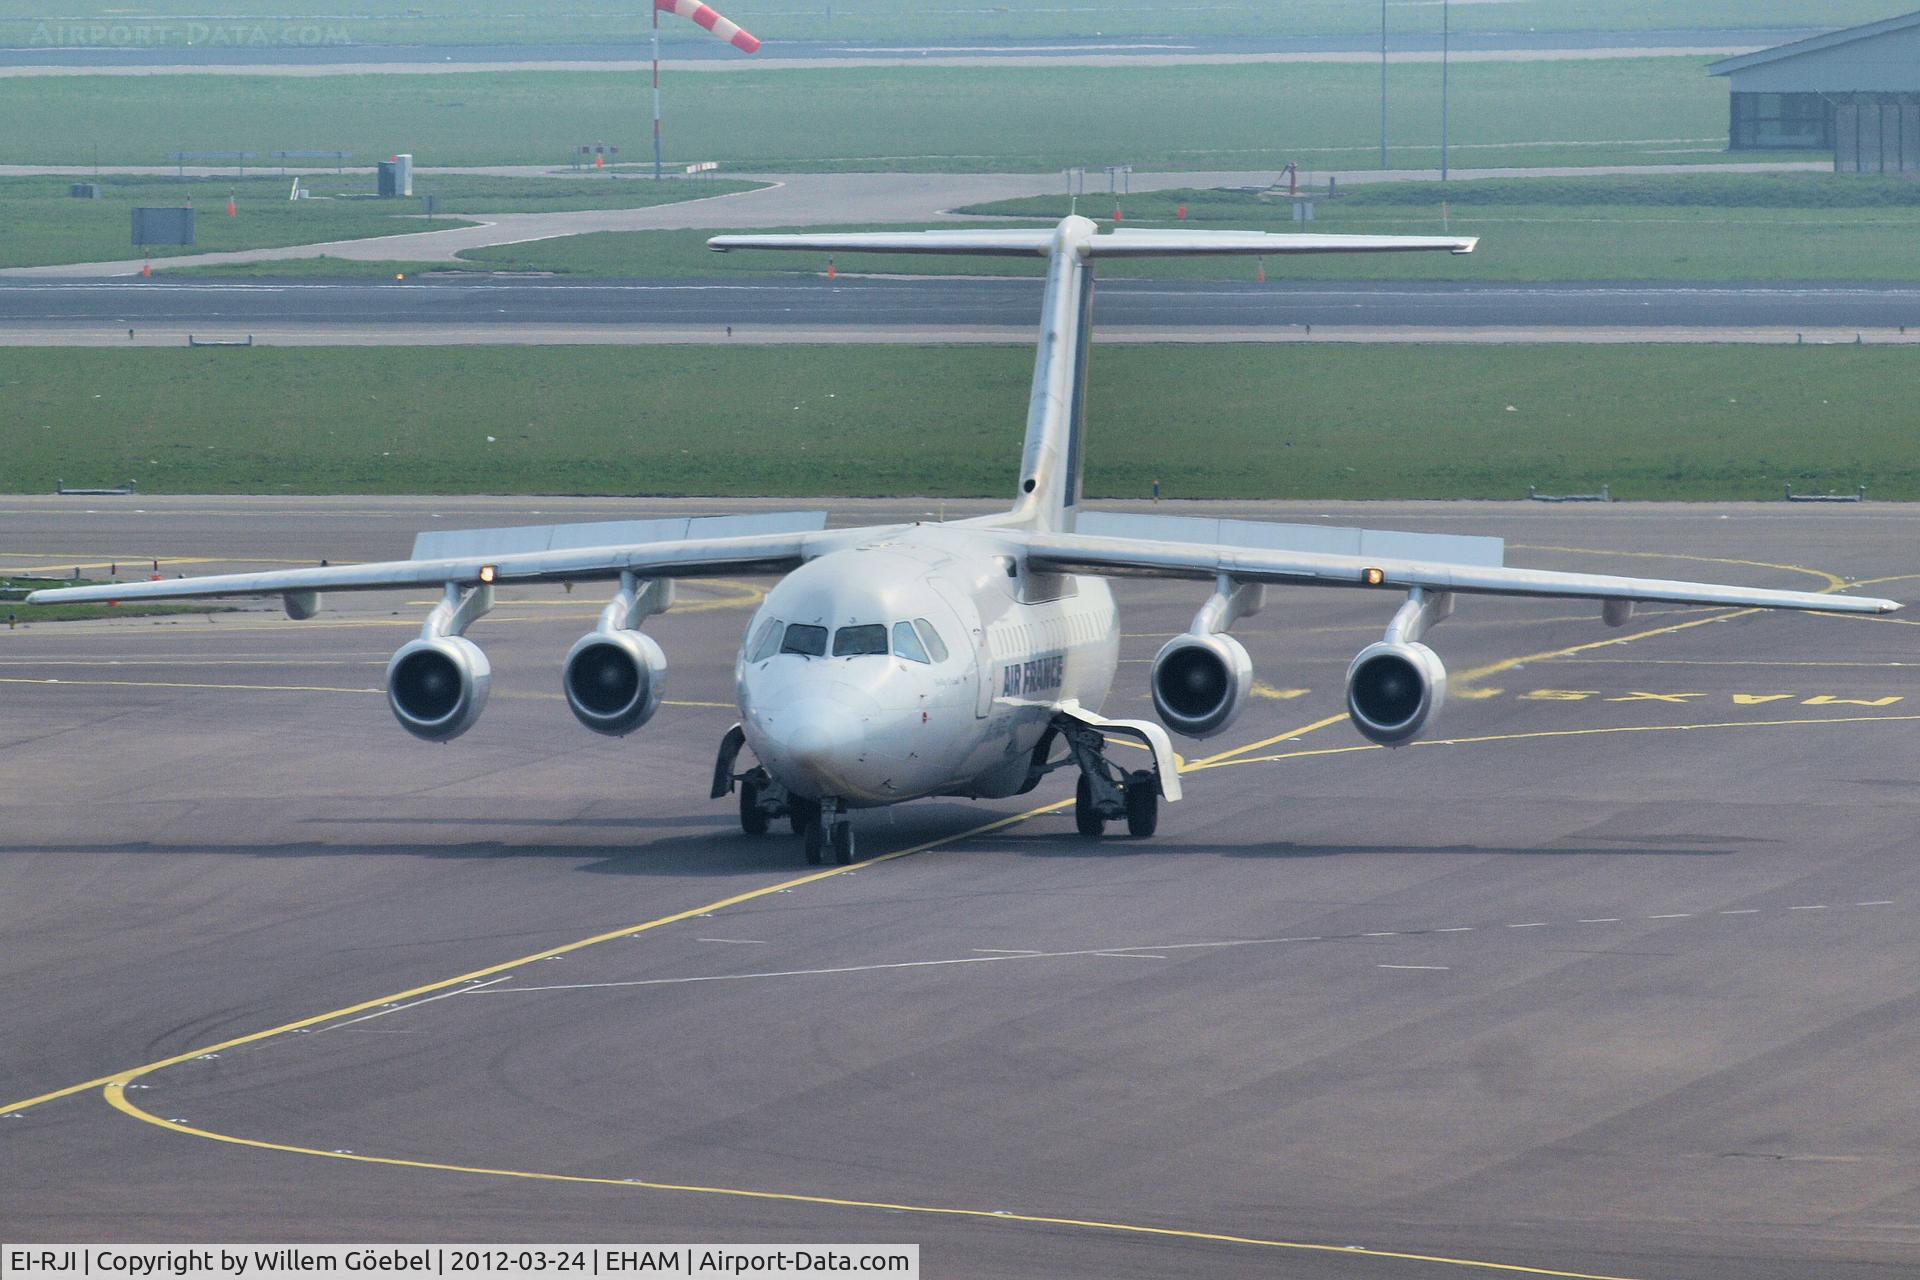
{"x": 599, "y": 161}
{"x": 146, "y": 269}
{"x": 1117, "y": 215}
{"x": 830, "y": 271}
{"x": 1183, "y": 213}
{"x": 233, "y": 209}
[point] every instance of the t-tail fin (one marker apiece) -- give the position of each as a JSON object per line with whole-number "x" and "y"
{"x": 1050, "y": 465}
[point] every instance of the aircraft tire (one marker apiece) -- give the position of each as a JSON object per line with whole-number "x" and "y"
{"x": 1143, "y": 805}
{"x": 1086, "y": 818}
{"x": 816, "y": 842}
{"x": 752, "y": 820}
{"x": 843, "y": 847}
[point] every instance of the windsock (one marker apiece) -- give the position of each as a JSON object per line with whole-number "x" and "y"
{"x": 706, "y": 17}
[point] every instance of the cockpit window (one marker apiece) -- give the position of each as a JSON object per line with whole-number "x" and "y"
{"x": 931, "y": 639}
{"x": 907, "y": 645}
{"x": 809, "y": 642}
{"x": 852, "y": 642}
{"x": 768, "y": 642}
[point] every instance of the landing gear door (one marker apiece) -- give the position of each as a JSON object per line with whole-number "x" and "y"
{"x": 967, "y": 618}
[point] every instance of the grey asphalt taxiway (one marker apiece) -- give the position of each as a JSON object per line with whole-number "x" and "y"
{"x": 223, "y": 308}
{"x": 1616, "y": 977}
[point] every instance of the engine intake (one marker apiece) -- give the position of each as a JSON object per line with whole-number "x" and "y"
{"x": 437, "y": 686}
{"x": 1200, "y": 683}
{"x": 614, "y": 680}
{"x": 1394, "y": 690}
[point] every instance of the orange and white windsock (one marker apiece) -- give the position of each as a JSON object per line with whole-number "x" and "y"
{"x": 706, "y": 17}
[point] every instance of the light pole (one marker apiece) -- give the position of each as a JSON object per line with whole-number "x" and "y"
{"x": 1443, "y": 89}
{"x": 1383, "y": 84}
{"x": 656, "y": 93}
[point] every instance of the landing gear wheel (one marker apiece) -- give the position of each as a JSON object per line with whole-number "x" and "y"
{"x": 752, "y": 820}
{"x": 816, "y": 842}
{"x": 843, "y": 843}
{"x": 801, "y": 814}
{"x": 1086, "y": 818}
{"x": 1143, "y": 805}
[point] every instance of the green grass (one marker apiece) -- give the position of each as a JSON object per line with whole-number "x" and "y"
{"x": 1725, "y": 227}
{"x": 13, "y": 612}
{"x": 1212, "y": 421}
{"x": 40, "y": 223}
{"x": 514, "y": 21}
{"x": 1654, "y": 111}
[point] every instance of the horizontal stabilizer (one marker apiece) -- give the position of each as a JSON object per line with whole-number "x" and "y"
{"x": 1314, "y": 539}
{"x": 1124, "y": 243}
{"x": 1003, "y": 243}
{"x": 453, "y": 544}
{"x": 1187, "y": 244}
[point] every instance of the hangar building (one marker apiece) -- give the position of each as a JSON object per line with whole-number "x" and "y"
{"x": 1855, "y": 92}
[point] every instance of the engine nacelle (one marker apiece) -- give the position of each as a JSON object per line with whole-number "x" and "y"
{"x": 438, "y": 686}
{"x": 1200, "y": 682}
{"x": 1394, "y": 691}
{"x": 614, "y": 680}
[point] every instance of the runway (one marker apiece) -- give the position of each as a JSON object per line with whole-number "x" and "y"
{"x": 214, "y": 48}
{"x": 1616, "y": 978}
{"x": 906, "y": 308}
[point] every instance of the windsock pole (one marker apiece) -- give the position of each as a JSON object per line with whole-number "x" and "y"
{"x": 701, "y": 16}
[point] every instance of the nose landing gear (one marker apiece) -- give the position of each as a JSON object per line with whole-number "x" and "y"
{"x": 829, "y": 829}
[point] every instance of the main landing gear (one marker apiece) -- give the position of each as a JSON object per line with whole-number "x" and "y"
{"x": 1107, "y": 793}
{"x": 822, "y": 824}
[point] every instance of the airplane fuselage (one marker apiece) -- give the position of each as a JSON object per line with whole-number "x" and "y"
{"x": 923, "y": 660}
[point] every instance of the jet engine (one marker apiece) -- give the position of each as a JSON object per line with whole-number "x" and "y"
{"x": 614, "y": 680}
{"x": 1394, "y": 690}
{"x": 437, "y": 686}
{"x": 1200, "y": 682}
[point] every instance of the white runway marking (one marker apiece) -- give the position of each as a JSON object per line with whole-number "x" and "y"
{"x": 415, "y": 1004}
{"x": 987, "y": 955}
{"x": 743, "y": 942}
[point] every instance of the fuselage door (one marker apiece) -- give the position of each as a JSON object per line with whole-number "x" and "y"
{"x": 966, "y": 616}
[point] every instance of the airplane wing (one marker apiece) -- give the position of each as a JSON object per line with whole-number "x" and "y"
{"x": 1038, "y": 242}
{"x": 674, "y": 548}
{"x": 1257, "y": 552}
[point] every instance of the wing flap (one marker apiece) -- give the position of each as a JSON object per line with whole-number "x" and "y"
{"x": 684, "y": 558}
{"x": 446, "y": 544}
{"x": 1080, "y": 553}
{"x": 1317, "y": 539}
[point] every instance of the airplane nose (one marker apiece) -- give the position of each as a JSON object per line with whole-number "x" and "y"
{"x": 817, "y": 746}
{"x": 820, "y": 735}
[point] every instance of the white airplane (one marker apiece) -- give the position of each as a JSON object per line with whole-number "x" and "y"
{"x": 963, "y": 658}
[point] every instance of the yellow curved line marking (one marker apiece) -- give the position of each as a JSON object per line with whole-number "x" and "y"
{"x": 431, "y": 988}
{"x": 61, "y": 682}
{"x": 1563, "y": 733}
{"x": 114, "y": 1090}
{"x": 1834, "y": 581}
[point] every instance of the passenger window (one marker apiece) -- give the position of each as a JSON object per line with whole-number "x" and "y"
{"x": 907, "y": 645}
{"x": 931, "y": 638}
{"x": 854, "y": 642}
{"x": 769, "y": 642}
{"x": 808, "y": 642}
